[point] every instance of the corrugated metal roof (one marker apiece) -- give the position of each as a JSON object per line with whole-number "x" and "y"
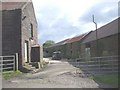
{"x": 11, "y": 5}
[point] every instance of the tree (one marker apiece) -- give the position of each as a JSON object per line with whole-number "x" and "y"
{"x": 48, "y": 43}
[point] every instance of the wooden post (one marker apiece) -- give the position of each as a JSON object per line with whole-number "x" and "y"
{"x": 16, "y": 61}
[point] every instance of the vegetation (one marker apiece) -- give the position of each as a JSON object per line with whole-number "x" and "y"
{"x": 11, "y": 74}
{"x": 111, "y": 79}
{"x": 48, "y": 43}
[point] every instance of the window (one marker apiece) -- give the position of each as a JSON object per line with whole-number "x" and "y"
{"x": 88, "y": 45}
{"x": 31, "y": 29}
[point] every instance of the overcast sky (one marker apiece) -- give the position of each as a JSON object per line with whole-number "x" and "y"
{"x": 61, "y": 19}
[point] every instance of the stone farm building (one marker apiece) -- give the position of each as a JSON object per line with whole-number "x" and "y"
{"x": 86, "y": 45}
{"x": 19, "y": 32}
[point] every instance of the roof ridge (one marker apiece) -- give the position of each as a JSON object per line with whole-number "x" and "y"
{"x": 12, "y": 5}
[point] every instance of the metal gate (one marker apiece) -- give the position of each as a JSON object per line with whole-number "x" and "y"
{"x": 98, "y": 65}
{"x": 7, "y": 63}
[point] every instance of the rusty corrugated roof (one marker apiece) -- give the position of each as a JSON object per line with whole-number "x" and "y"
{"x": 75, "y": 39}
{"x": 71, "y": 40}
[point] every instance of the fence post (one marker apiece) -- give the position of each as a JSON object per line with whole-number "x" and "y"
{"x": 14, "y": 63}
{"x": 112, "y": 63}
{"x": 99, "y": 65}
{"x": 16, "y": 55}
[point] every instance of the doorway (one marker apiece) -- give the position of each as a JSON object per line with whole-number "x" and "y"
{"x": 26, "y": 52}
{"x": 87, "y": 52}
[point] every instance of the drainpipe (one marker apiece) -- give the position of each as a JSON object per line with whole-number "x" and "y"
{"x": 97, "y": 44}
{"x": 96, "y": 36}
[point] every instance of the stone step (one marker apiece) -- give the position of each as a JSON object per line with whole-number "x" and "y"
{"x": 35, "y": 71}
{"x": 32, "y": 67}
{"x": 35, "y": 64}
{"x": 28, "y": 66}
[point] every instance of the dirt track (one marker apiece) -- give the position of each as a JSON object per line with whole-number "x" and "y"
{"x": 58, "y": 74}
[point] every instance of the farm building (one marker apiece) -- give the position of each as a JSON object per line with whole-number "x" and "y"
{"x": 106, "y": 43}
{"x": 19, "y": 31}
{"x": 87, "y": 45}
{"x": 70, "y": 48}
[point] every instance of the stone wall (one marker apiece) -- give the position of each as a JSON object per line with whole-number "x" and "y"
{"x": 28, "y": 23}
{"x": 11, "y": 33}
{"x": 16, "y": 31}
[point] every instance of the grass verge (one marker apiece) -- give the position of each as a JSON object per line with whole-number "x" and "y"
{"x": 111, "y": 79}
{"x": 11, "y": 74}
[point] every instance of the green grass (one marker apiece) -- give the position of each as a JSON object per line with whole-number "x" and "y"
{"x": 11, "y": 74}
{"x": 111, "y": 79}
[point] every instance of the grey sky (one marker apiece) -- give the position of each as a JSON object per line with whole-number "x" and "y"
{"x": 61, "y": 19}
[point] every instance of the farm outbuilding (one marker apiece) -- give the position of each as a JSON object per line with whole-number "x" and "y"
{"x": 88, "y": 45}
{"x": 19, "y": 31}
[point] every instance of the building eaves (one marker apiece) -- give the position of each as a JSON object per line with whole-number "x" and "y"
{"x": 11, "y": 5}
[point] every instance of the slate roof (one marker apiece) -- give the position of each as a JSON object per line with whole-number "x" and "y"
{"x": 11, "y": 5}
{"x": 104, "y": 31}
{"x": 15, "y": 4}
